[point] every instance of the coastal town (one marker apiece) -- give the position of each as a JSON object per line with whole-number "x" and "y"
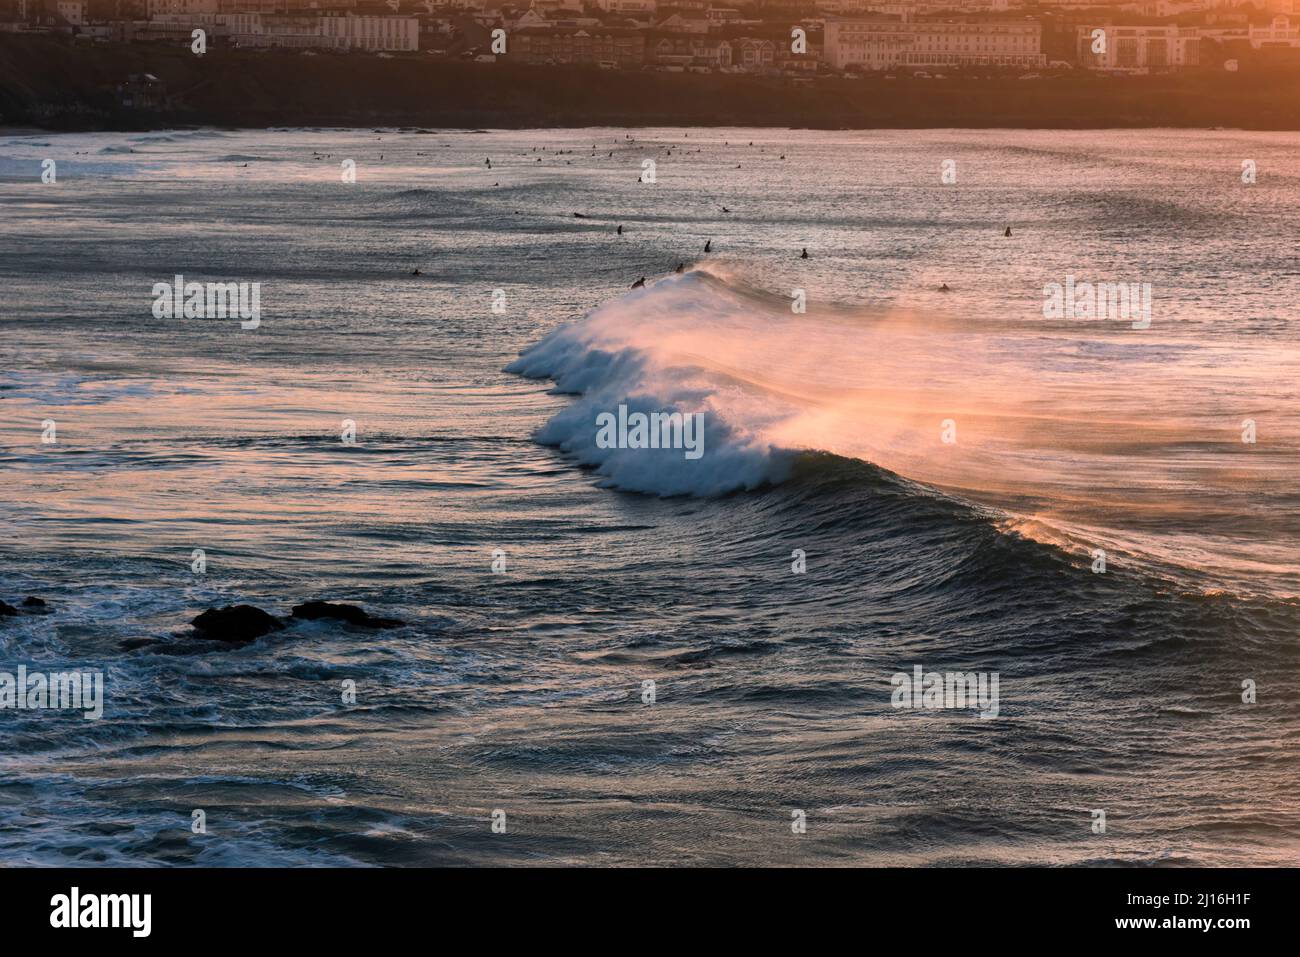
{"x": 799, "y": 39}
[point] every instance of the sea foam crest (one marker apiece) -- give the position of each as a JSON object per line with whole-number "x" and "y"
{"x": 615, "y": 356}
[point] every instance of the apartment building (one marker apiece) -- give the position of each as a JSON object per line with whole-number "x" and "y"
{"x": 311, "y": 31}
{"x": 398, "y": 34}
{"x": 1139, "y": 49}
{"x": 73, "y": 11}
{"x": 689, "y": 50}
{"x": 885, "y": 43}
{"x": 606, "y": 47}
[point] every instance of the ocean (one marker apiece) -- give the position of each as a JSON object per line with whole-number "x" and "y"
{"x": 921, "y": 452}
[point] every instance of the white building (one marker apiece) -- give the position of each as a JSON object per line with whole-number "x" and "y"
{"x": 880, "y": 44}
{"x": 311, "y": 31}
{"x": 915, "y": 8}
{"x": 1141, "y": 49}
{"x": 1280, "y": 33}
{"x": 298, "y": 31}
{"x": 373, "y": 33}
{"x": 1160, "y": 9}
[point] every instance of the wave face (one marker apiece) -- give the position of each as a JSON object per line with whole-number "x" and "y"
{"x": 1084, "y": 435}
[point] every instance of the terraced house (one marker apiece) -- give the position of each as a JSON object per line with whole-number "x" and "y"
{"x": 606, "y": 47}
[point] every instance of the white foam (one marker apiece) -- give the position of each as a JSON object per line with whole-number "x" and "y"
{"x": 624, "y": 353}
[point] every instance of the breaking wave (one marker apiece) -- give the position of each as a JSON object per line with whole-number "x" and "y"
{"x": 1037, "y": 420}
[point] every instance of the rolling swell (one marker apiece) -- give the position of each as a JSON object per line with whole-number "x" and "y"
{"x": 1168, "y": 494}
{"x": 952, "y": 564}
{"x": 935, "y": 553}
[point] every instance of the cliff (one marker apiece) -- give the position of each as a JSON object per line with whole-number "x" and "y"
{"x": 54, "y": 83}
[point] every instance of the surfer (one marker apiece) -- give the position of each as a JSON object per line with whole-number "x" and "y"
{"x": 805, "y": 253}
{"x": 708, "y": 245}
{"x": 1008, "y": 232}
{"x": 680, "y": 267}
{"x": 639, "y": 283}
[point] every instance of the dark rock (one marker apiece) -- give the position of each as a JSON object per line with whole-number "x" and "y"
{"x": 7, "y": 610}
{"x": 131, "y": 644}
{"x": 35, "y": 606}
{"x": 235, "y": 624}
{"x": 351, "y": 614}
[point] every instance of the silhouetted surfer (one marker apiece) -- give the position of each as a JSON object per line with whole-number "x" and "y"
{"x": 708, "y": 245}
{"x": 620, "y": 230}
{"x": 415, "y": 272}
{"x": 639, "y": 283}
{"x": 805, "y": 253}
{"x": 488, "y": 162}
{"x": 680, "y": 267}
{"x": 944, "y": 288}
{"x": 1008, "y": 232}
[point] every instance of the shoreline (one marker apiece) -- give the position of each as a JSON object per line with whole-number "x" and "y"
{"x": 463, "y": 130}
{"x": 52, "y": 85}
